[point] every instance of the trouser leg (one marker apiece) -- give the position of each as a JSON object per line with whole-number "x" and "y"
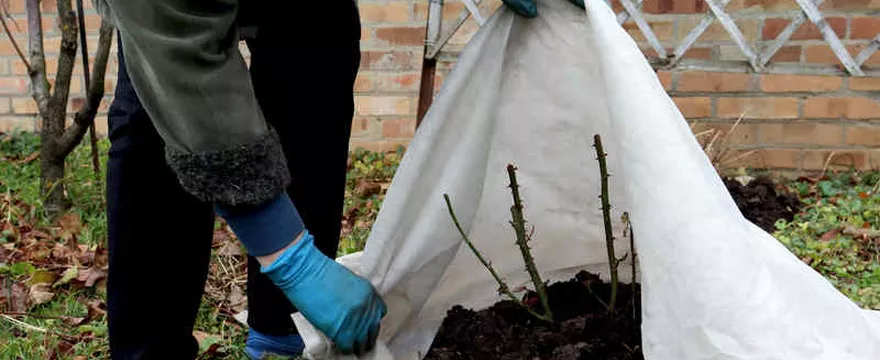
{"x": 304, "y": 85}
{"x": 159, "y": 240}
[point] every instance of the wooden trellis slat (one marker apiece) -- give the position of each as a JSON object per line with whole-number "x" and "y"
{"x": 644, "y": 27}
{"x": 868, "y": 51}
{"x": 624, "y": 16}
{"x": 785, "y": 35}
{"x": 831, "y": 38}
{"x": 692, "y": 36}
{"x": 475, "y": 11}
{"x": 735, "y": 33}
{"x": 759, "y": 60}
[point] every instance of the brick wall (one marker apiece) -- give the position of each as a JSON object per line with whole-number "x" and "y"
{"x": 789, "y": 121}
{"x": 17, "y": 109}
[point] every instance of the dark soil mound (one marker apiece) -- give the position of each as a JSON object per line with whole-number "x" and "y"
{"x": 584, "y": 329}
{"x": 763, "y": 202}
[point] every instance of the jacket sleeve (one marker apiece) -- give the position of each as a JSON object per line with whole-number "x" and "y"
{"x": 183, "y": 60}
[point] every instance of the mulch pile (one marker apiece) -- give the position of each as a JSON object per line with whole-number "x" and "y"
{"x": 583, "y": 327}
{"x": 763, "y": 202}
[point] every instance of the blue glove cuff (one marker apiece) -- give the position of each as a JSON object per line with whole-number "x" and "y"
{"x": 265, "y": 229}
{"x": 286, "y": 269}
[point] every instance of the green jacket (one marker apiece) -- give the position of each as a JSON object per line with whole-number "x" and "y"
{"x": 183, "y": 60}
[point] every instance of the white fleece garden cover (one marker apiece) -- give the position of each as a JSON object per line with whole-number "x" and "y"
{"x": 533, "y": 93}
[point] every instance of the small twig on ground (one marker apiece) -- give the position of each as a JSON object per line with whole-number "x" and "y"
{"x": 23, "y": 324}
{"x": 606, "y": 215}
{"x": 502, "y": 286}
{"x": 519, "y": 225}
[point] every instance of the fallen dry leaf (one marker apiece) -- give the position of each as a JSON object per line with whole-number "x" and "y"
{"x": 14, "y": 298}
{"x": 367, "y": 189}
{"x": 40, "y": 294}
{"x": 69, "y": 274}
{"x": 29, "y": 158}
{"x": 73, "y": 321}
{"x": 230, "y": 248}
{"x": 828, "y": 236}
{"x": 70, "y": 225}
{"x": 96, "y": 310}
{"x": 91, "y": 275}
{"x": 868, "y": 234}
{"x": 237, "y": 299}
{"x": 42, "y": 277}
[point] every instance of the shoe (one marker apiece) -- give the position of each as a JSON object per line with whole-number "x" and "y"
{"x": 259, "y": 345}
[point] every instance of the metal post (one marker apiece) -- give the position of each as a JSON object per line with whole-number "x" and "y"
{"x": 429, "y": 64}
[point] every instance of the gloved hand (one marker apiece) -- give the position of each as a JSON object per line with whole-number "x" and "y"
{"x": 342, "y": 305}
{"x": 525, "y": 8}
{"x": 529, "y": 9}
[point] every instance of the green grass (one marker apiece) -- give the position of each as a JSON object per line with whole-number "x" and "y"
{"x": 833, "y": 204}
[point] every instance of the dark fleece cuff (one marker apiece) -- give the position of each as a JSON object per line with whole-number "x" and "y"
{"x": 249, "y": 174}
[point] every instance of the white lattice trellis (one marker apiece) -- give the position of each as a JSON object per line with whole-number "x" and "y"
{"x": 756, "y": 61}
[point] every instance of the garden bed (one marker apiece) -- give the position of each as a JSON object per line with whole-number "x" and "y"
{"x": 583, "y": 326}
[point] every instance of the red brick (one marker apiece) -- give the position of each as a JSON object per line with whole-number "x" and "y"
{"x": 779, "y": 158}
{"x": 835, "y": 160}
{"x": 868, "y": 135}
{"x": 361, "y": 127}
{"x": 766, "y": 5}
{"x": 665, "y": 78}
{"x": 864, "y": 84}
{"x": 822, "y": 54}
{"x": 16, "y": 7}
{"x": 16, "y": 123}
{"x": 450, "y": 10}
{"x": 409, "y": 36}
{"x": 742, "y": 134}
{"x": 694, "y": 107}
{"x": 701, "y": 53}
{"x": 807, "y": 31}
{"x": 787, "y": 54}
{"x": 363, "y": 83}
{"x": 13, "y": 86}
{"x": 24, "y": 106}
{"x": 398, "y": 128}
{"x": 835, "y": 108}
{"x": 662, "y": 29}
{"x": 798, "y": 83}
{"x": 713, "y": 82}
{"x": 716, "y": 32}
{"x": 850, "y": 5}
{"x": 758, "y": 108}
{"x": 809, "y": 133}
{"x": 674, "y": 6}
{"x": 390, "y": 60}
{"x": 396, "y": 82}
{"x": 383, "y": 105}
{"x": 387, "y": 11}
{"x": 864, "y": 27}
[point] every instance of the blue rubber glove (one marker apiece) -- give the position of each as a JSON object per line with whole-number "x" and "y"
{"x": 525, "y": 8}
{"x": 342, "y": 305}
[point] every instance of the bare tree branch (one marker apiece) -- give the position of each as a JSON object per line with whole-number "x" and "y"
{"x": 39, "y": 83}
{"x": 66, "y": 60}
{"x": 14, "y": 43}
{"x": 86, "y": 115}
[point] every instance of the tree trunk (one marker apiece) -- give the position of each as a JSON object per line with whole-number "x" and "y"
{"x": 51, "y": 177}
